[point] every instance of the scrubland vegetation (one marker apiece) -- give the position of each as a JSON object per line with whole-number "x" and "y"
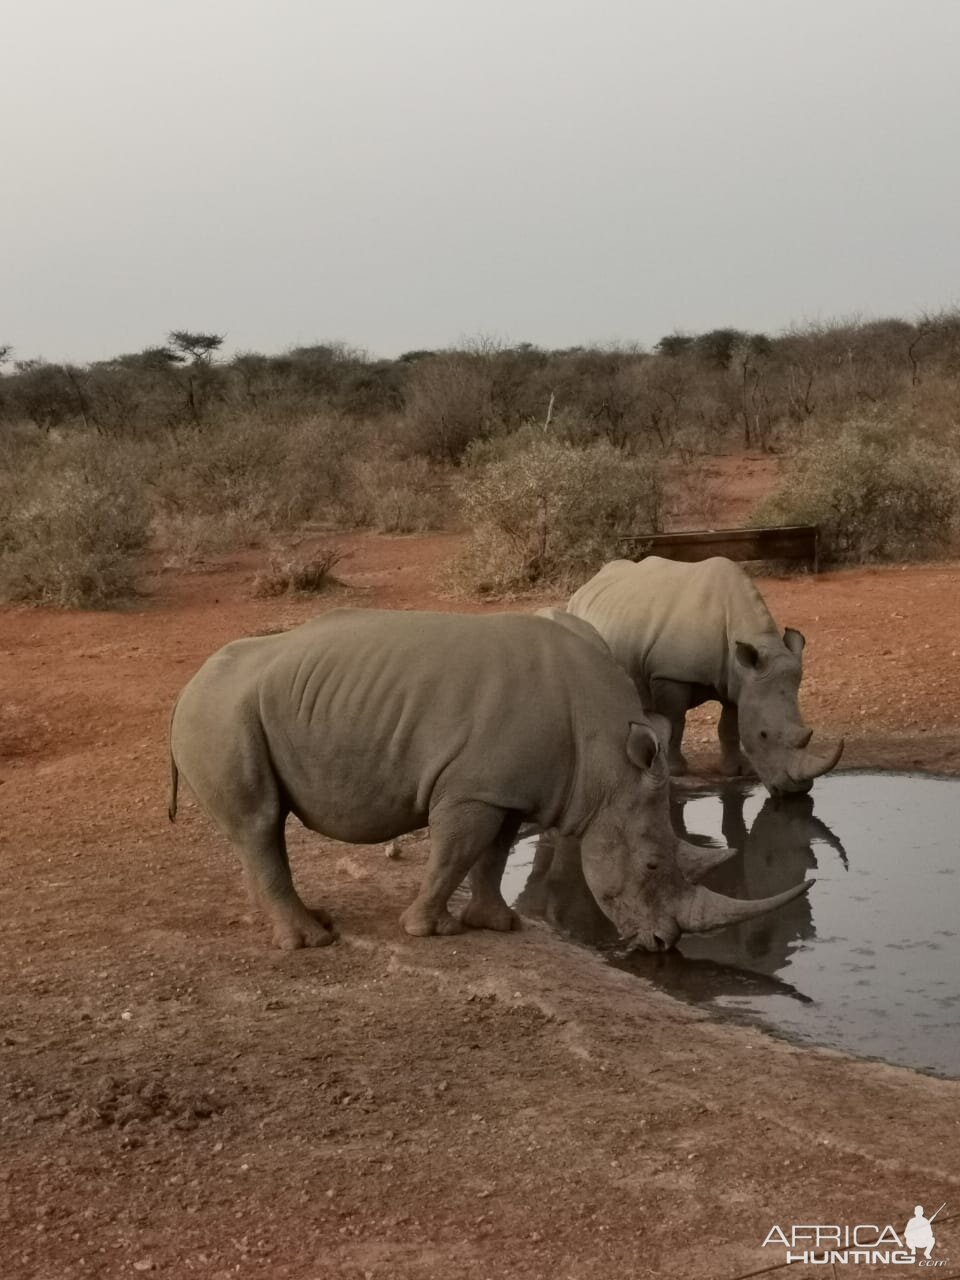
{"x": 293, "y": 575}
{"x": 546, "y": 457}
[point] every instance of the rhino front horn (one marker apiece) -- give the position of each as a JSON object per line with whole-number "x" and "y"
{"x": 813, "y": 764}
{"x": 700, "y": 909}
{"x": 696, "y": 860}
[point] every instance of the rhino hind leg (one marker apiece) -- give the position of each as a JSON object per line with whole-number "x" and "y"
{"x": 460, "y": 835}
{"x": 239, "y": 792}
{"x": 263, "y": 851}
{"x": 487, "y": 908}
{"x": 230, "y": 773}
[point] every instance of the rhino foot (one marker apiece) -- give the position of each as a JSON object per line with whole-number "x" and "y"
{"x": 421, "y": 923}
{"x": 312, "y": 929}
{"x": 490, "y": 915}
{"x": 323, "y": 917}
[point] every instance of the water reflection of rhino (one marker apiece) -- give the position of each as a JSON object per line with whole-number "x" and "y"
{"x": 775, "y": 851}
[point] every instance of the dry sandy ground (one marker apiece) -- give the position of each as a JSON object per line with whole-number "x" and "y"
{"x": 177, "y": 1097}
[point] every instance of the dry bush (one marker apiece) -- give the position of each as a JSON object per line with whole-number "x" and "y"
{"x": 73, "y": 526}
{"x": 693, "y": 499}
{"x": 21, "y": 448}
{"x": 552, "y": 514}
{"x": 396, "y": 495}
{"x": 325, "y": 435}
{"x": 449, "y": 402}
{"x": 564, "y": 428}
{"x": 929, "y": 412}
{"x": 187, "y": 539}
{"x": 232, "y": 484}
{"x": 298, "y": 575}
{"x": 875, "y": 494}
{"x": 729, "y": 387}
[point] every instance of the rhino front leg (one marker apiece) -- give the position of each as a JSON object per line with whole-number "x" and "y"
{"x": 459, "y": 835}
{"x": 733, "y": 762}
{"x": 487, "y": 908}
{"x": 672, "y": 699}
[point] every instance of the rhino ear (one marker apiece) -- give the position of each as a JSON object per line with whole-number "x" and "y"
{"x": 794, "y": 640}
{"x": 748, "y": 655}
{"x": 642, "y": 745}
{"x": 661, "y": 727}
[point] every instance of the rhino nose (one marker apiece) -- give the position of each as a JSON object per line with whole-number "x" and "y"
{"x": 666, "y": 935}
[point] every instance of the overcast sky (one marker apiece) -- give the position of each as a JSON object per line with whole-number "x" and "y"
{"x": 404, "y": 173}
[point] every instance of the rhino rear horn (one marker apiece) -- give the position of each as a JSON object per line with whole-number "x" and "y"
{"x": 696, "y": 860}
{"x": 794, "y": 640}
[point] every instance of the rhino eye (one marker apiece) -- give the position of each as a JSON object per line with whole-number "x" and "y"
{"x": 763, "y": 734}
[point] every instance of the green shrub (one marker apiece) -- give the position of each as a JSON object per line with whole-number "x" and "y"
{"x": 875, "y": 493}
{"x": 551, "y": 514}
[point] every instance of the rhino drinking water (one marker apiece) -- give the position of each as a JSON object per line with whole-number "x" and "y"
{"x": 690, "y": 633}
{"x": 368, "y": 724}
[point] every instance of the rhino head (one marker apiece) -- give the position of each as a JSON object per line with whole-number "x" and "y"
{"x": 643, "y": 876}
{"x": 772, "y": 733}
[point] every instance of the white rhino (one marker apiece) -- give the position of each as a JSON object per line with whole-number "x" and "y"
{"x": 368, "y": 724}
{"x": 691, "y": 633}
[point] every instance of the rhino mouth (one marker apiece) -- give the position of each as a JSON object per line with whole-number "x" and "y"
{"x": 810, "y": 764}
{"x": 656, "y": 943}
{"x": 792, "y": 787}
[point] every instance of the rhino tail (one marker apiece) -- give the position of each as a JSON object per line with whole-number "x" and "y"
{"x": 174, "y": 787}
{"x": 174, "y": 772}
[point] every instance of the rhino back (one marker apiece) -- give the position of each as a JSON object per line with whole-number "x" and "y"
{"x": 578, "y": 626}
{"x": 673, "y": 620}
{"x": 371, "y": 717}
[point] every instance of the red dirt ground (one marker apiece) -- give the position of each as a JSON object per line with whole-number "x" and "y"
{"x": 177, "y": 1097}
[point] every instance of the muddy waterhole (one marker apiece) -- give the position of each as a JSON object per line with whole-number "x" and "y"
{"x": 868, "y": 962}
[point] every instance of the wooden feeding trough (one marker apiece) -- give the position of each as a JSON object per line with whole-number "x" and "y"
{"x": 798, "y": 542}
